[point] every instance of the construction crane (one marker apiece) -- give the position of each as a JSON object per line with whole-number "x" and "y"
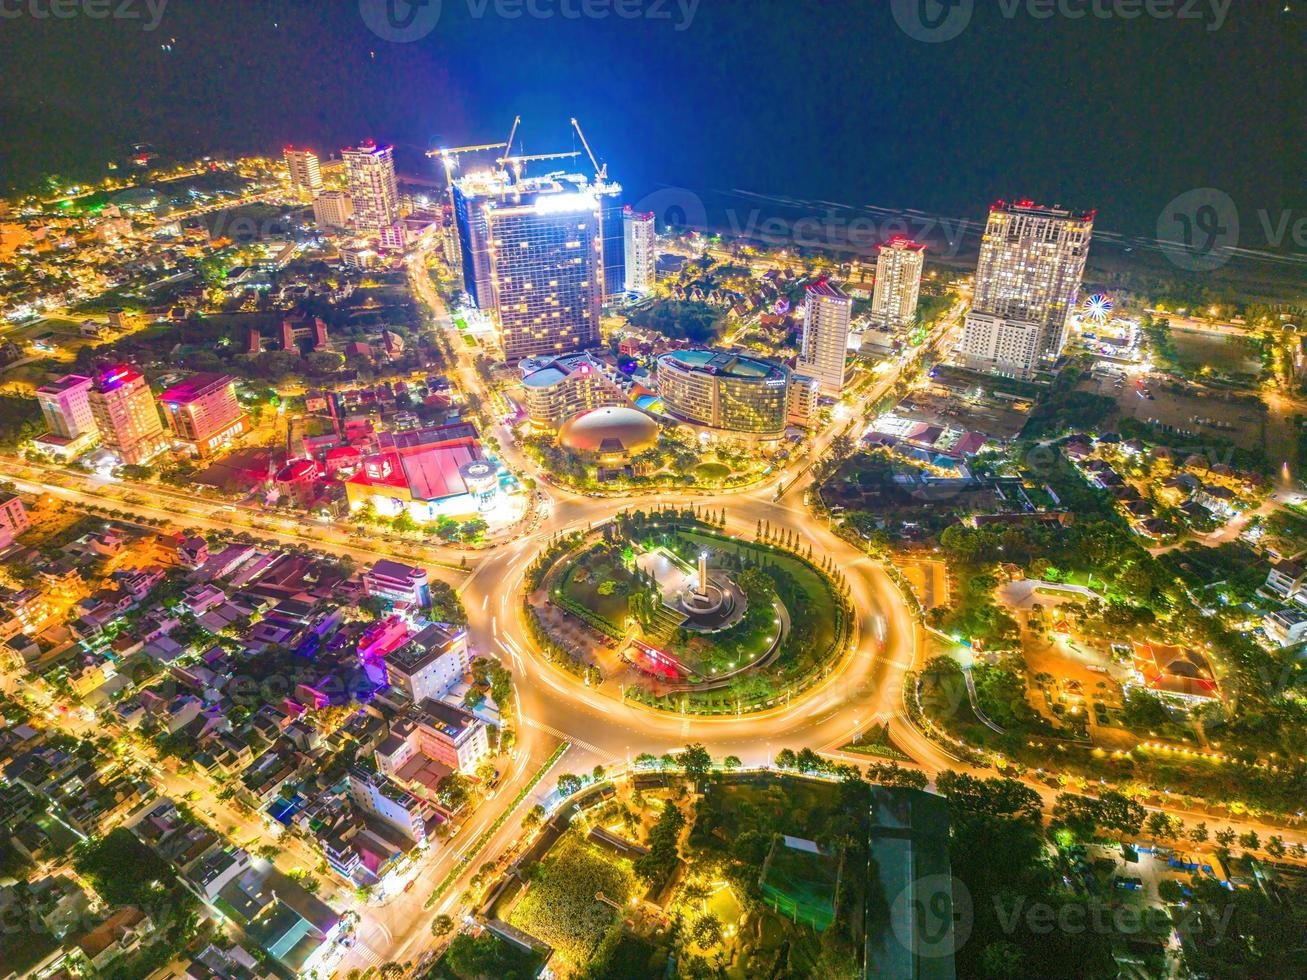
{"x": 450, "y": 157}
{"x": 511, "y": 133}
{"x": 600, "y": 172}
{"x": 465, "y": 149}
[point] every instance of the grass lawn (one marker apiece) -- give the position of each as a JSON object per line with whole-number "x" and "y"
{"x": 712, "y": 471}
{"x": 560, "y": 905}
{"x": 586, "y": 577}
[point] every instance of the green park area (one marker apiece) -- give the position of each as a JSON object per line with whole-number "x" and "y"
{"x": 784, "y": 615}
{"x": 804, "y": 911}
{"x": 471, "y": 958}
{"x": 601, "y": 579}
{"x": 561, "y": 907}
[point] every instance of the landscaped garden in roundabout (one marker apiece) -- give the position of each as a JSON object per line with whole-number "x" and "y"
{"x": 686, "y": 617}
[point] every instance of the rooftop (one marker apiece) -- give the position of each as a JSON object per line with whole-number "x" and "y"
{"x": 196, "y": 387}
{"x": 723, "y": 363}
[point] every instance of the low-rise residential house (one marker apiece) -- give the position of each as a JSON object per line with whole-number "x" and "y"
{"x": 1221, "y": 501}
{"x": 1287, "y": 579}
{"x": 218, "y": 869}
{"x": 123, "y": 932}
{"x": 58, "y": 904}
{"x": 1287, "y": 627}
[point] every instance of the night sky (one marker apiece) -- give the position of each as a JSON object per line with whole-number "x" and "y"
{"x": 823, "y": 100}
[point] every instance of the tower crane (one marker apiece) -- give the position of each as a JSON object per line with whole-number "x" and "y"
{"x": 600, "y": 172}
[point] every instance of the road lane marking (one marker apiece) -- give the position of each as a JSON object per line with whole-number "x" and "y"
{"x": 579, "y": 743}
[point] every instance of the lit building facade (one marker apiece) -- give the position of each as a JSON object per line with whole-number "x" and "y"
{"x": 126, "y": 415}
{"x": 374, "y": 192}
{"x": 612, "y": 231}
{"x": 803, "y": 400}
{"x": 557, "y": 388}
{"x": 204, "y": 414}
{"x": 824, "y": 345}
{"x": 1032, "y": 261}
{"x": 13, "y": 518}
{"x": 898, "y": 284}
{"x": 66, "y": 407}
{"x": 333, "y": 209}
{"x": 305, "y": 172}
{"x": 720, "y": 390}
{"x": 398, "y": 583}
{"x": 533, "y": 251}
{"x": 429, "y": 664}
{"x": 641, "y": 253}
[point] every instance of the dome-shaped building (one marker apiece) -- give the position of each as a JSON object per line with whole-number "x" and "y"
{"x": 612, "y": 433}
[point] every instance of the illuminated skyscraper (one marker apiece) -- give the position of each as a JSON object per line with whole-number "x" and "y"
{"x": 204, "y": 414}
{"x": 825, "y": 342}
{"x": 612, "y": 229}
{"x": 370, "y": 170}
{"x": 66, "y": 406}
{"x": 1032, "y": 260}
{"x": 126, "y": 415}
{"x": 532, "y": 251}
{"x": 641, "y": 251}
{"x": 898, "y": 283}
{"x": 305, "y": 172}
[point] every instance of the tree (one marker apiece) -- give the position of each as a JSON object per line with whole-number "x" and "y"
{"x": 568, "y": 783}
{"x": 533, "y": 817}
{"x": 441, "y": 925}
{"x": 1199, "y": 834}
{"x": 646, "y": 760}
{"x": 786, "y": 759}
{"x": 731, "y": 763}
{"x": 1163, "y": 825}
{"x": 809, "y": 761}
{"x": 597, "y": 775}
{"x": 696, "y": 761}
{"x": 664, "y": 850}
{"x": 1002, "y": 960}
{"x": 707, "y": 931}
{"x": 1250, "y": 841}
{"x": 1275, "y": 846}
{"x": 1226, "y": 837}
